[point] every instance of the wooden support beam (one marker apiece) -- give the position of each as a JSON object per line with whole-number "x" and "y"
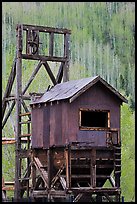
{"x": 56, "y": 194}
{"x": 27, "y": 176}
{"x": 25, "y": 153}
{"x": 42, "y": 172}
{"x": 13, "y": 141}
{"x": 49, "y": 168}
{"x": 68, "y": 167}
{"x": 93, "y": 168}
{"x": 44, "y": 58}
{"x": 8, "y": 114}
{"x": 60, "y": 73}
{"x": 25, "y": 122}
{"x": 112, "y": 181}
{"x": 9, "y": 142}
{"x": 25, "y": 135}
{"x": 110, "y": 191}
{"x": 12, "y": 98}
{"x": 8, "y": 188}
{"x": 108, "y": 197}
{"x": 67, "y": 55}
{"x": 57, "y": 176}
{"x": 25, "y": 108}
{"x": 51, "y": 44}
{"x": 9, "y": 86}
{"x": 46, "y": 29}
{"x": 24, "y": 114}
{"x": 77, "y": 198}
{"x": 49, "y": 72}
{"x": 19, "y": 36}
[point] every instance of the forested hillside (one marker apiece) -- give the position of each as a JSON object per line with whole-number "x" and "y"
{"x": 102, "y": 40}
{"x": 102, "y": 43}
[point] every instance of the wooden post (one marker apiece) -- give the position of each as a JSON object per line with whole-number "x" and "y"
{"x": 68, "y": 167}
{"x": 93, "y": 168}
{"x": 18, "y": 112}
{"x": 51, "y": 44}
{"x": 9, "y": 86}
{"x": 67, "y": 55}
{"x": 49, "y": 172}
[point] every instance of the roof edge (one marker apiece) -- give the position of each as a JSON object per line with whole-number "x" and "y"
{"x": 98, "y": 78}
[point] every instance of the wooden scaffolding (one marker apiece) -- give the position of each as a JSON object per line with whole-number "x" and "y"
{"x": 29, "y": 37}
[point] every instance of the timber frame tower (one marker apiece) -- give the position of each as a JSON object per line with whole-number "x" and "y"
{"x": 31, "y": 52}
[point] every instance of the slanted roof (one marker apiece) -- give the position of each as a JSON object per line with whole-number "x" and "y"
{"x": 74, "y": 88}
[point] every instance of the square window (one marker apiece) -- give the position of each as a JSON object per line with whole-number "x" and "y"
{"x": 94, "y": 119}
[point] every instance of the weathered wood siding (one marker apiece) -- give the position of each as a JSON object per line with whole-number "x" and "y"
{"x": 97, "y": 98}
{"x": 57, "y": 123}
{"x": 37, "y": 127}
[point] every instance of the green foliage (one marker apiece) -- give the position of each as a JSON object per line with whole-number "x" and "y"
{"x": 128, "y": 153}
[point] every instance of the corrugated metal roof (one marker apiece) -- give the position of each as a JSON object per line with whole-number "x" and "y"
{"x": 72, "y": 89}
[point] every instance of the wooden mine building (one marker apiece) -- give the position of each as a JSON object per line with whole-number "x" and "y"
{"x": 74, "y": 141}
{"x": 79, "y": 123}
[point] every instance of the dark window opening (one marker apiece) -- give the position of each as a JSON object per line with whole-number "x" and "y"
{"x": 94, "y": 119}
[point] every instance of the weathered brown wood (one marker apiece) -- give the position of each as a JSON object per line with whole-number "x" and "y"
{"x": 60, "y": 73}
{"x": 57, "y": 176}
{"x": 68, "y": 167}
{"x": 43, "y": 173}
{"x": 67, "y": 55}
{"x": 103, "y": 176}
{"x": 9, "y": 141}
{"x": 63, "y": 182}
{"x": 46, "y": 29}
{"x": 77, "y": 198}
{"x": 25, "y": 108}
{"x": 49, "y": 168}
{"x": 24, "y": 114}
{"x": 26, "y": 178}
{"x": 12, "y": 140}
{"x": 10, "y": 98}
{"x": 113, "y": 190}
{"x": 24, "y": 153}
{"x": 32, "y": 42}
{"x": 102, "y": 166}
{"x": 8, "y": 188}
{"x": 25, "y": 135}
{"x": 93, "y": 168}
{"x": 41, "y": 193}
{"x": 25, "y": 122}
{"x": 112, "y": 181}
{"x": 17, "y": 192}
{"x": 51, "y": 43}
{"x": 8, "y": 114}
{"x": 49, "y": 72}
{"x": 44, "y": 58}
{"x": 9, "y": 86}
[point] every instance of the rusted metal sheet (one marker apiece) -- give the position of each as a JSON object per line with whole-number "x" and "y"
{"x": 72, "y": 89}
